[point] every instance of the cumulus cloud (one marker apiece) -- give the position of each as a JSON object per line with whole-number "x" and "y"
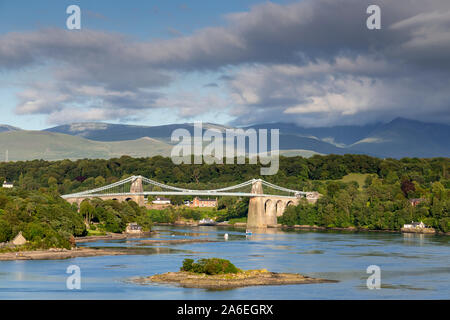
{"x": 347, "y": 91}
{"x": 313, "y": 62}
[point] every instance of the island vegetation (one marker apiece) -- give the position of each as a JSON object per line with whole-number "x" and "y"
{"x": 209, "y": 266}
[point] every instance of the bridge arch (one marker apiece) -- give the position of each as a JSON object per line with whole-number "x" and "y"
{"x": 270, "y": 211}
{"x": 267, "y": 205}
{"x": 280, "y": 206}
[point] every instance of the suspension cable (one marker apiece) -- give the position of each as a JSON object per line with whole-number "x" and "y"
{"x": 164, "y": 186}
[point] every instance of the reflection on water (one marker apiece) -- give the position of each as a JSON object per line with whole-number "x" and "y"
{"x": 141, "y": 251}
{"x": 414, "y": 239}
{"x": 384, "y": 254}
{"x": 311, "y": 252}
{"x": 401, "y": 286}
{"x": 116, "y": 266}
{"x": 412, "y": 266}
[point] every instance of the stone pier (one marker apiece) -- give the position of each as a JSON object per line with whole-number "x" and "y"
{"x": 264, "y": 211}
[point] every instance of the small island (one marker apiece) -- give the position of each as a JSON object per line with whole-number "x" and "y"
{"x": 221, "y": 274}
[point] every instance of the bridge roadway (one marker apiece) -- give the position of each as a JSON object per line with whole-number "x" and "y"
{"x": 263, "y": 210}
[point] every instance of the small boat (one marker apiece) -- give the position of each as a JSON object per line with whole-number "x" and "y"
{"x": 248, "y": 232}
{"x": 225, "y": 236}
{"x": 207, "y": 222}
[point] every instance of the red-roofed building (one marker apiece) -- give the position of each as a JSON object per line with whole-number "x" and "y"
{"x": 199, "y": 202}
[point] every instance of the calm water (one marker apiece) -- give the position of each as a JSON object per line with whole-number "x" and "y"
{"x": 412, "y": 266}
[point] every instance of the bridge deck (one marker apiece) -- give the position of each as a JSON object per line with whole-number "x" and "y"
{"x": 136, "y": 189}
{"x": 171, "y": 193}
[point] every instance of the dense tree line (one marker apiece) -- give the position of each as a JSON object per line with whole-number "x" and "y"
{"x": 381, "y": 205}
{"x": 34, "y": 205}
{"x": 295, "y": 172}
{"x": 113, "y": 216}
{"x": 45, "y": 219}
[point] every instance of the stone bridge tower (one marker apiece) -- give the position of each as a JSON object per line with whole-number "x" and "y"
{"x": 264, "y": 211}
{"x": 256, "y": 215}
{"x": 136, "y": 187}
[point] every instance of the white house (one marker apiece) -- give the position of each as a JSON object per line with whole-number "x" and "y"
{"x": 7, "y": 185}
{"x": 133, "y": 228}
{"x": 161, "y": 200}
{"x": 414, "y": 225}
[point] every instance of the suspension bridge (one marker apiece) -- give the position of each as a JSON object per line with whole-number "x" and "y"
{"x": 264, "y": 208}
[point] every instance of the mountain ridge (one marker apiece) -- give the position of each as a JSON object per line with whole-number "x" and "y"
{"x": 396, "y": 139}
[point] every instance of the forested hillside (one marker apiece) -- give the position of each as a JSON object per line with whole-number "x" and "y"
{"x": 295, "y": 172}
{"x": 379, "y": 201}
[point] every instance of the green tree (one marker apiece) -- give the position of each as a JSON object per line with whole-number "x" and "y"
{"x": 87, "y": 211}
{"x": 100, "y": 181}
{"x": 5, "y": 231}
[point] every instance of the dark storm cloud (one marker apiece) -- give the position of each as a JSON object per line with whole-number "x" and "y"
{"x": 309, "y": 30}
{"x": 268, "y": 33}
{"x": 313, "y": 61}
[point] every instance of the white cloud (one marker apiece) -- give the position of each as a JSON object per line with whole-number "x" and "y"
{"x": 343, "y": 92}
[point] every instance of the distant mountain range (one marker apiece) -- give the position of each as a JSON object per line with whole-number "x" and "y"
{"x": 29, "y": 145}
{"x": 398, "y": 138}
{"x": 5, "y": 128}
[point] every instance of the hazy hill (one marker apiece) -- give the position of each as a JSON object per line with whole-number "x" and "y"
{"x": 295, "y": 142}
{"x": 289, "y": 137}
{"x": 396, "y": 139}
{"x": 121, "y": 132}
{"x": 407, "y": 138}
{"x": 338, "y": 135}
{"x": 5, "y": 128}
{"x": 27, "y": 145}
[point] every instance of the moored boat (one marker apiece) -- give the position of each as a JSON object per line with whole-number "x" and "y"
{"x": 207, "y": 222}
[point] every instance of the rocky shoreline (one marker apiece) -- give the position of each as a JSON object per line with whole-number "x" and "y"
{"x": 59, "y": 254}
{"x": 420, "y": 231}
{"x": 230, "y": 281}
{"x": 112, "y": 236}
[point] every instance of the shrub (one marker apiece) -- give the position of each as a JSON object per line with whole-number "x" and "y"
{"x": 187, "y": 265}
{"x": 219, "y": 266}
{"x": 209, "y": 266}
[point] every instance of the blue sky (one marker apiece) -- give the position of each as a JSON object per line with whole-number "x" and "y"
{"x": 140, "y": 18}
{"x": 312, "y": 62}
